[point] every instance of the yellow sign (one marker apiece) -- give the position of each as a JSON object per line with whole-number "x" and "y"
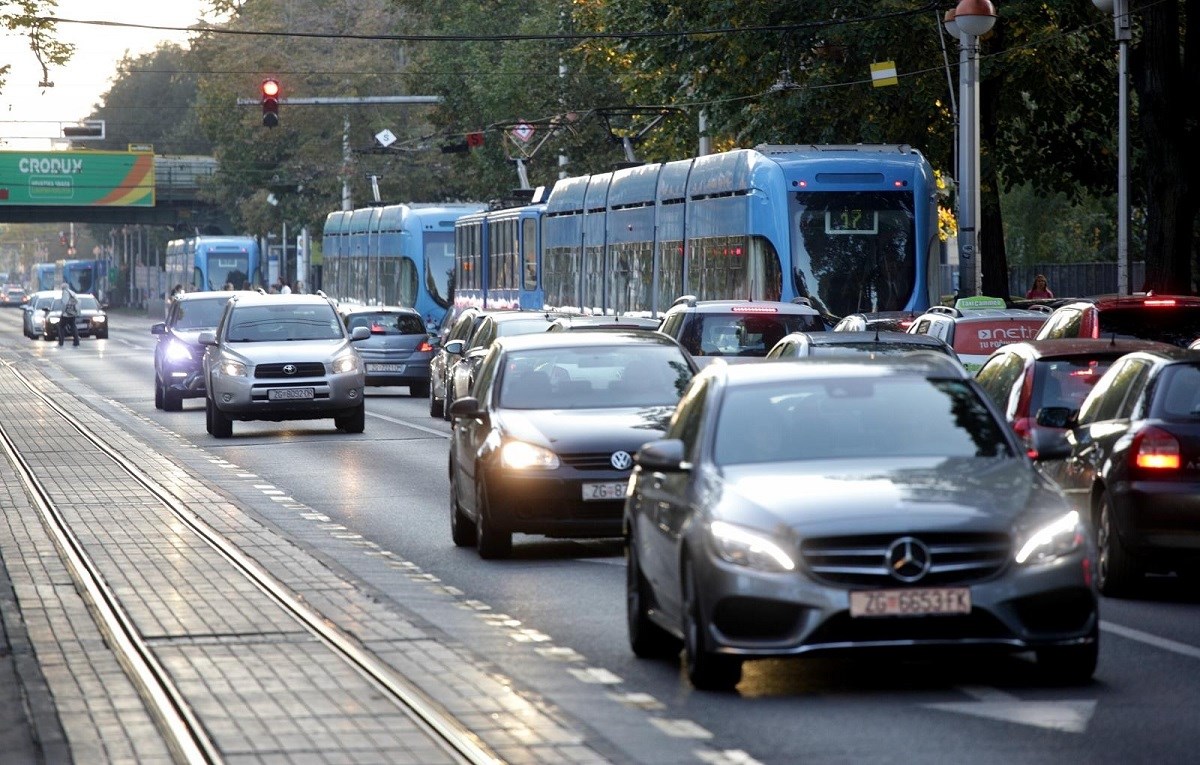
{"x": 883, "y": 74}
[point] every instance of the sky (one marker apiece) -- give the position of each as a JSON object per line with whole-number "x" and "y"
{"x": 30, "y": 116}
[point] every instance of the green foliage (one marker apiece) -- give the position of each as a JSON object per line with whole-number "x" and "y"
{"x": 27, "y": 18}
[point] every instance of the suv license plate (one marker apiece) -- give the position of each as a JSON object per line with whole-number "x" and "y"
{"x": 914, "y": 602}
{"x": 601, "y": 491}
{"x": 281, "y": 394}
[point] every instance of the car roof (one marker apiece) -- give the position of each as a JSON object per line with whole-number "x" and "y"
{"x": 1147, "y": 300}
{"x": 585, "y": 338}
{"x": 353, "y": 309}
{"x": 867, "y": 336}
{"x": 186, "y": 297}
{"x": 690, "y": 303}
{"x": 984, "y": 314}
{"x": 251, "y": 298}
{"x": 582, "y": 322}
{"x": 1169, "y": 355}
{"x": 929, "y": 364}
{"x": 503, "y": 316}
{"x": 1079, "y": 346}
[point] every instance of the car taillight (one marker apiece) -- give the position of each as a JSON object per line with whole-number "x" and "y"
{"x": 424, "y": 347}
{"x": 1023, "y": 427}
{"x": 1159, "y": 302}
{"x": 1156, "y": 449}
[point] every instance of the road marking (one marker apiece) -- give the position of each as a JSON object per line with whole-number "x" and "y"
{"x": 408, "y": 424}
{"x": 596, "y": 675}
{"x": 638, "y": 700}
{"x": 1067, "y": 716}
{"x": 727, "y": 757}
{"x": 1183, "y": 649}
{"x": 680, "y": 728}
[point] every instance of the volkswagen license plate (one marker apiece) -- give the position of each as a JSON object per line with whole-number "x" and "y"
{"x": 385, "y": 367}
{"x": 286, "y": 394}
{"x": 600, "y": 491}
{"x": 913, "y": 602}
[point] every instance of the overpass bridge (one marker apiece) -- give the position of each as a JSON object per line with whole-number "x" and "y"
{"x": 175, "y": 202}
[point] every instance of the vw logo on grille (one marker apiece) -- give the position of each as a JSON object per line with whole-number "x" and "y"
{"x": 289, "y": 369}
{"x": 907, "y": 559}
{"x": 621, "y": 460}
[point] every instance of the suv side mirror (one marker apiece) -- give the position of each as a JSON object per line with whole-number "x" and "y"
{"x": 208, "y": 338}
{"x": 158, "y": 329}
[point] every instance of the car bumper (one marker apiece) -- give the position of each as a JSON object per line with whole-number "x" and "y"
{"x": 754, "y": 613}
{"x": 248, "y": 398}
{"x": 187, "y": 381}
{"x": 551, "y": 502}
{"x": 1159, "y": 516}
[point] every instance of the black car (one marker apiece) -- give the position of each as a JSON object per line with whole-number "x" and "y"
{"x": 544, "y": 445}
{"x": 178, "y": 356}
{"x": 399, "y": 348}
{"x": 843, "y": 505}
{"x": 799, "y": 345}
{"x": 92, "y": 320}
{"x": 1132, "y": 465}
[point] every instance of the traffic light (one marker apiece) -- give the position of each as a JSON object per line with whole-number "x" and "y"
{"x": 270, "y": 102}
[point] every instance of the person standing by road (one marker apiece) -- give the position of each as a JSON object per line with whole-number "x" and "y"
{"x": 1040, "y": 289}
{"x": 68, "y": 315}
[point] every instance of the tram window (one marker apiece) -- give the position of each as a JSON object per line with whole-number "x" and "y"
{"x": 529, "y": 253}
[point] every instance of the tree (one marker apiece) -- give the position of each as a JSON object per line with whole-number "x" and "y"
{"x": 28, "y": 18}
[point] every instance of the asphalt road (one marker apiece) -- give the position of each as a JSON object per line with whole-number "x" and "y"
{"x": 389, "y": 485}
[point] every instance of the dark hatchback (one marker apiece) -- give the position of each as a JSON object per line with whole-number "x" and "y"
{"x": 1173, "y": 319}
{"x": 1131, "y": 463}
{"x": 178, "y": 356}
{"x": 398, "y": 351}
{"x": 800, "y": 345}
{"x": 791, "y": 510}
{"x": 545, "y": 444}
{"x": 1024, "y": 378}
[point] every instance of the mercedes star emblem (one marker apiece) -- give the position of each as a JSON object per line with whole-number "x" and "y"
{"x": 907, "y": 559}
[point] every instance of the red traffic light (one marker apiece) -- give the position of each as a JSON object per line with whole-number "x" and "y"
{"x": 270, "y": 102}
{"x": 270, "y": 88}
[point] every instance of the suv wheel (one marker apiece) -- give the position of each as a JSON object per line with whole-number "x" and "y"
{"x": 219, "y": 425}
{"x": 158, "y": 393}
{"x": 354, "y": 422}
{"x": 172, "y": 400}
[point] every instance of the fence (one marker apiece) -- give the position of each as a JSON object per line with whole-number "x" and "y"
{"x": 1065, "y": 279}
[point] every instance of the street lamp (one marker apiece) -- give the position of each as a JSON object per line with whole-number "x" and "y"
{"x": 1120, "y": 12}
{"x": 972, "y": 18}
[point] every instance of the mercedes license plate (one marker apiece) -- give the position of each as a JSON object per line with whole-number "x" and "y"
{"x": 912, "y": 602}
{"x": 286, "y": 394}
{"x": 609, "y": 490}
{"x": 385, "y": 367}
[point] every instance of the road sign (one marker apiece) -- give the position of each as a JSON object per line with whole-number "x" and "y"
{"x": 385, "y": 137}
{"x": 523, "y": 132}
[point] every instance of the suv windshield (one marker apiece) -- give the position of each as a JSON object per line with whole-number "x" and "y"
{"x": 267, "y": 323}
{"x": 855, "y": 418}
{"x": 1179, "y": 325}
{"x": 199, "y": 314}
{"x": 594, "y": 378}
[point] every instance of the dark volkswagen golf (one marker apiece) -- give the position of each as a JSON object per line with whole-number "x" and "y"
{"x": 790, "y": 510}
{"x": 544, "y": 444}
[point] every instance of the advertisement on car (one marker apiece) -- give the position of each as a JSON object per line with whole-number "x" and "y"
{"x": 975, "y": 341}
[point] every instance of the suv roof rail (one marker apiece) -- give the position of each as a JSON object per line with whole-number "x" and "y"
{"x": 260, "y": 291}
{"x": 944, "y": 310}
{"x": 1040, "y": 308}
{"x": 321, "y": 293}
{"x": 688, "y": 300}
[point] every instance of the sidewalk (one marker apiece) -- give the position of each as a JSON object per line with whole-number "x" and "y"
{"x": 263, "y": 688}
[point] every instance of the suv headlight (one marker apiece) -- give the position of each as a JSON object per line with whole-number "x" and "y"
{"x": 1062, "y": 536}
{"x": 232, "y": 368}
{"x": 177, "y": 351}
{"x": 519, "y": 455}
{"x": 348, "y": 362}
{"x": 743, "y": 547}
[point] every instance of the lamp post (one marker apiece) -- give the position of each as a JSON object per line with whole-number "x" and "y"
{"x": 1120, "y": 12}
{"x": 973, "y": 18}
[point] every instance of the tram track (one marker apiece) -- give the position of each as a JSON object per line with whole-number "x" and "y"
{"x": 182, "y": 728}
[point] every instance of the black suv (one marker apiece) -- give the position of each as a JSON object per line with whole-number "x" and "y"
{"x": 748, "y": 328}
{"x": 178, "y": 372}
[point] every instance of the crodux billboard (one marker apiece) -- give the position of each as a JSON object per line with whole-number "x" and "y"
{"x": 77, "y": 178}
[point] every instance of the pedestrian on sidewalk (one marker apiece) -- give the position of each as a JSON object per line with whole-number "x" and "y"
{"x": 66, "y": 318}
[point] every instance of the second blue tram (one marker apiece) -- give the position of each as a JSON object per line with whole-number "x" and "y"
{"x": 87, "y": 276}
{"x": 209, "y": 263}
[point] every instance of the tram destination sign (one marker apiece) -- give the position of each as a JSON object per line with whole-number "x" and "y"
{"x": 77, "y": 178}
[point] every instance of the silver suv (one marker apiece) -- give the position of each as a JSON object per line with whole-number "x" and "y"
{"x": 736, "y": 328}
{"x": 282, "y": 357}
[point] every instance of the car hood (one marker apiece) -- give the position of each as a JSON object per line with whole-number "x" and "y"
{"x": 570, "y": 431}
{"x": 831, "y": 497}
{"x": 287, "y": 351}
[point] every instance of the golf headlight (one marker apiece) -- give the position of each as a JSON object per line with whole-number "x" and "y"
{"x": 99, "y": 319}
{"x": 346, "y": 363}
{"x": 232, "y": 368}
{"x": 748, "y": 548}
{"x": 519, "y": 455}
{"x": 52, "y": 319}
{"x": 1060, "y": 537}
{"x": 177, "y": 351}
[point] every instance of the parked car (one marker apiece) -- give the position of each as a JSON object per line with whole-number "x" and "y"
{"x": 1132, "y": 465}
{"x": 398, "y": 351}
{"x": 799, "y": 345}
{"x": 179, "y": 356}
{"x": 890, "y": 321}
{"x": 494, "y": 325}
{"x": 282, "y": 357}
{"x": 34, "y": 317}
{"x": 975, "y": 327}
{"x": 92, "y": 320}
{"x": 1023, "y": 378}
{"x": 544, "y": 445}
{"x": 462, "y": 328}
{"x": 735, "y": 328}
{"x": 836, "y": 506}
{"x": 1173, "y": 319}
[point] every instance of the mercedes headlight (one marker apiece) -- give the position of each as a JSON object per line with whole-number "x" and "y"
{"x": 177, "y": 351}
{"x": 743, "y": 547}
{"x": 1060, "y": 537}
{"x": 232, "y": 368}
{"x": 346, "y": 363}
{"x": 519, "y": 455}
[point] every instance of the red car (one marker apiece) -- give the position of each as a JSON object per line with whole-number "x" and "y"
{"x": 1173, "y": 319}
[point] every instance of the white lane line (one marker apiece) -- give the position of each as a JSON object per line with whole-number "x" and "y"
{"x": 408, "y": 424}
{"x": 1183, "y": 649}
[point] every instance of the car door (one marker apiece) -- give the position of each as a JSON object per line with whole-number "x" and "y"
{"x": 470, "y": 435}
